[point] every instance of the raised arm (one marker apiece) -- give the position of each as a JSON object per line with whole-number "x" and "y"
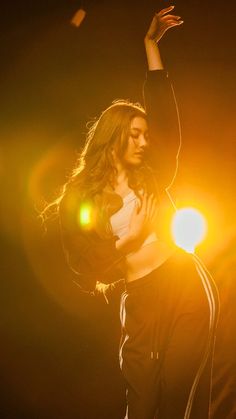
{"x": 160, "y": 102}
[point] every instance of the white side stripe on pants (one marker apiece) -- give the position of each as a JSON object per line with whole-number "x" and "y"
{"x": 204, "y": 275}
{"x": 122, "y": 319}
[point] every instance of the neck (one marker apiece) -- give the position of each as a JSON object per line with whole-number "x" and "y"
{"x": 121, "y": 177}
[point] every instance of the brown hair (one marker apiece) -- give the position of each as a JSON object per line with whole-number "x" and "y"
{"x": 95, "y": 166}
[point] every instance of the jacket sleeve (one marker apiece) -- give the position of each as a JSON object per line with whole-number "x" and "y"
{"x": 164, "y": 127}
{"x": 91, "y": 257}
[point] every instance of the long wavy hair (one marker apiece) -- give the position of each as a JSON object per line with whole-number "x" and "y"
{"x": 95, "y": 168}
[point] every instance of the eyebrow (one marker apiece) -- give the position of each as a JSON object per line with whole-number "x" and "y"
{"x": 139, "y": 130}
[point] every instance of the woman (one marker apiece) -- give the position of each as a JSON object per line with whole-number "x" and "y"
{"x": 112, "y": 213}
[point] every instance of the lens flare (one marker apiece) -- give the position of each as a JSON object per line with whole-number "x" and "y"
{"x": 188, "y": 228}
{"x": 85, "y": 215}
{"x": 48, "y": 172}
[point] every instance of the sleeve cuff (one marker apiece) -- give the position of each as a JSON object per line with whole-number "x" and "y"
{"x": 156, "y": 75}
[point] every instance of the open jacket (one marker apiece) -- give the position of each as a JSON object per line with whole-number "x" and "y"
{"x": 89, "y": 254}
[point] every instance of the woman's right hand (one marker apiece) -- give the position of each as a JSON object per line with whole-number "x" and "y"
{"x": 142, "y": 218}
{"x": 141, "y": 222}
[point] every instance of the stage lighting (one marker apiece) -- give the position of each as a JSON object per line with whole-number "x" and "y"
{"x": 188, "y": 228}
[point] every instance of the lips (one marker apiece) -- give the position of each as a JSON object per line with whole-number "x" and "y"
{"x": 139, "y": 154}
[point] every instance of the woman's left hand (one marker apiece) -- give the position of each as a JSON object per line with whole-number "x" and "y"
{"x": 161, "y": 22}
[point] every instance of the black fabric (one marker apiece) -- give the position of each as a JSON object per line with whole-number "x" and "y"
{"x": 163, "y": 124}
{"x": 91, "y": 255}
{"x": 165, "y": 332}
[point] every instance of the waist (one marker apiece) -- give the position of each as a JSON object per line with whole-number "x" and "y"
{"x": 146, "y": 259}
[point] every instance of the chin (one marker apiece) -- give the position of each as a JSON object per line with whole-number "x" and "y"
{"x": 134, "y": 163}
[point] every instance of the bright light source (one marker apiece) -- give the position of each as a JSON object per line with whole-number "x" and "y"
{"x": 188, "y": 228}
{"x": 85, "y": 215}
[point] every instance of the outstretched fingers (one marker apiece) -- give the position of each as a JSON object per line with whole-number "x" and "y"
{"x": 171, "y": 19}
{"x": 161, "y": 22}
{"x": 164, "y": 11}
{"x": 173, "y": 23}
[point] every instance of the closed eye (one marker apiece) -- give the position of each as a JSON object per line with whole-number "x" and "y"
{"x": 135, "y": 133}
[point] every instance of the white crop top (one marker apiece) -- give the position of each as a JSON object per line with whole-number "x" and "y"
{"x": 121, "y": 219}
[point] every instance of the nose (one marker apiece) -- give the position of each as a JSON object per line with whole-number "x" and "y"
{"x": 143, "y": 143}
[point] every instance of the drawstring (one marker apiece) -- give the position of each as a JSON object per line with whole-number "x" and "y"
{"x": 156, "y": 357}
{"x": 154, "y": 354}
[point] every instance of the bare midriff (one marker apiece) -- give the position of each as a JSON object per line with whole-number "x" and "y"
{"x": 146, "y": 259}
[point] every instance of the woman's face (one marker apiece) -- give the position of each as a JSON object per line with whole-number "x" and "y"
{"x": 137, "y": 142}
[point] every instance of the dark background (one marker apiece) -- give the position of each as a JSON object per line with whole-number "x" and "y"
{"x": 59, "y": 346}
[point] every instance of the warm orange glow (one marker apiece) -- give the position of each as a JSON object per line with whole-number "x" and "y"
{"x": 78, "y": 17}
{"x": 85, "y": 216}
{"x": 48, "y": 173}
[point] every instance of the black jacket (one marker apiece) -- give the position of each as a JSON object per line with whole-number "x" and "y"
{"x": 94, "y": 257}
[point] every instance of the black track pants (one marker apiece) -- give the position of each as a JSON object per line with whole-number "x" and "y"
{"x": 168, "y": 330}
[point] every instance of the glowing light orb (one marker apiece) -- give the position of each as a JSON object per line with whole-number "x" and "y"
{"x": 85, "y": 215}
{"x": 188, "y": 228}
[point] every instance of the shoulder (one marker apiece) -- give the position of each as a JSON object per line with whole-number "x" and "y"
{"x": 70, "y": 207}
{"x": 79, "y": 213}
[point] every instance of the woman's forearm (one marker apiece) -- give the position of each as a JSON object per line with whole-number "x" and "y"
{"x": 130, "y": 243}
{"x": 160, "y": 23}
{"x": 153, "y": 55}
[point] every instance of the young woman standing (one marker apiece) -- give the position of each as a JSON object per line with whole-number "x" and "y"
{"x": 169, "y": 304}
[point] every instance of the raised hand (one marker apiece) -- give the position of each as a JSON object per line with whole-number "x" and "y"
{"x": 161, "y": 22}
